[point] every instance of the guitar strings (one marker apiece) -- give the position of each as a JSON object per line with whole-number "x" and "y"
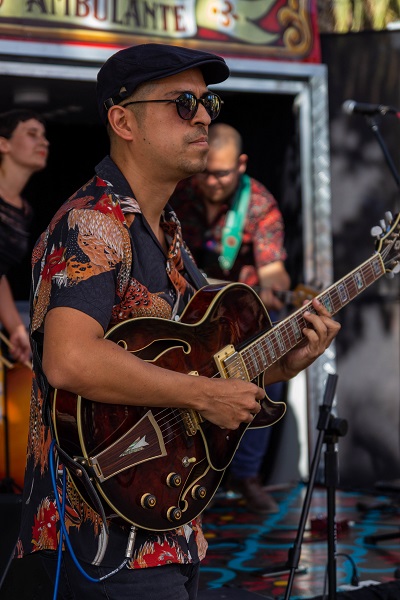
{"x": 285, "y": 330}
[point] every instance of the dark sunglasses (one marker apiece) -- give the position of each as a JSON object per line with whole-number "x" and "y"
{"x": 187, "y": 104}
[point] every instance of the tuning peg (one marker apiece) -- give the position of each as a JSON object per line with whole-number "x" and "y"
{"x": 382, "y": 223}
{"x": 388, "y": 218}
{"x": 376, "y": 231}
{"x": 396, "y": 269}
{"x": 389, "y": 274}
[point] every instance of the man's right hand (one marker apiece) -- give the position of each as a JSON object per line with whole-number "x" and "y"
{"x": 231, "y": 402}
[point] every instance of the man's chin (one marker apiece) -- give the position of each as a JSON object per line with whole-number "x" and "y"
{"x": 214, "y": 199}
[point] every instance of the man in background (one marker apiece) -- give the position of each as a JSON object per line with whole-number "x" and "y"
{"x": 234, "y": 229}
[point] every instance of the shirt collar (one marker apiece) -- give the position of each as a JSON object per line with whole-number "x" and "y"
{"x": 108, "y": 171}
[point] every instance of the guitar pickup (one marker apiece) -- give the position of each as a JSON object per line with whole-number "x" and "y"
{"x": 230, "y": 364}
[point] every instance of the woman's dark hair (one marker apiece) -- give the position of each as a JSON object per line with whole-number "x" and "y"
{"x": 9, "y": 120}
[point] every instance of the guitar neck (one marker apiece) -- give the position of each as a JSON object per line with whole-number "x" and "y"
{"x": 271, "y": 346}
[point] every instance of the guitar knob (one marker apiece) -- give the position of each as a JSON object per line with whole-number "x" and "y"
{"x": 148, "y": 501}
{"x": 174, "y": 480}
{"x": 396, "y": 269}
{"x": 376, "y": 231}
{"x": 199, "y": 492}
{"x": 174, "y": 514}
{"x": 388, "y": 218}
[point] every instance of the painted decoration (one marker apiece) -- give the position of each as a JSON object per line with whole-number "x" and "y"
{"x": 269, "y": 29}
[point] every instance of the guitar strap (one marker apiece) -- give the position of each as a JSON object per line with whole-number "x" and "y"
{"x": 75, "y": 467}
{"x": 197, "y": 278}
{"x": 233, "y": 231}
{"x": 81, "y": 473}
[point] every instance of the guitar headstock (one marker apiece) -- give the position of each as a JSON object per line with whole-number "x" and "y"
{"x": 387, "y": 236}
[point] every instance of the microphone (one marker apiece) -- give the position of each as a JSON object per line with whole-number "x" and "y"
{"x": 351, "y": 107}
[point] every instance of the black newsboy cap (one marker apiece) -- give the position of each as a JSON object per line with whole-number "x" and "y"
{"x": 124, "y": 71}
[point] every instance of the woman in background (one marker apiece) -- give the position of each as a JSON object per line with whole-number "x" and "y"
{"x": 23, "y": 151}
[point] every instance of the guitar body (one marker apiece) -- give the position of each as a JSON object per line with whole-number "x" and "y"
{"x": 159, "y": 468}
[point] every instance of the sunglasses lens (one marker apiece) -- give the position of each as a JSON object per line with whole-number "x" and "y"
{"x": 212, "y": 104}
{"x": 186, "y": 105}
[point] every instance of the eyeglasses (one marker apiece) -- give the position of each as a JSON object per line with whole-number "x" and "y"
{"x": 187, "y": 104}
{"x": 216, "y": 174}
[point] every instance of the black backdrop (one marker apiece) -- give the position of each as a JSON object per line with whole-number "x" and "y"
{"x": 265, "y": 121}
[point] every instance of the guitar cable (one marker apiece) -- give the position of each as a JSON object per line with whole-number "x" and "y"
{"x": 64, "y": 533}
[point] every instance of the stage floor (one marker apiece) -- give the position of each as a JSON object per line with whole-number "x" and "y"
{"x": 246, "y": 551}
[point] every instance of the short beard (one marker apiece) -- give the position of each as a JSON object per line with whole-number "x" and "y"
{"x": 193, "y": 167}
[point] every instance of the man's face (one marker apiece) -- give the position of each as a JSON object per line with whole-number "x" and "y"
{"x": 168, "y": 146}
{"x": 221, "y": 178}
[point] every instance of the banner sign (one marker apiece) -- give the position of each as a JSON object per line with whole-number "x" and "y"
{"x": 274, "y": 29}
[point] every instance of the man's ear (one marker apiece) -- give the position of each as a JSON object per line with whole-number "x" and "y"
{"x": 243, "y": 158}
{"x": 120, "y": 120}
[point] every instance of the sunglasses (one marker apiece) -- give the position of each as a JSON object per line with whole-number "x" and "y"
{"x": 187, "y": 104}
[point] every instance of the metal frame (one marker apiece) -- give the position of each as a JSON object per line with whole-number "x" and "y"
{"x": 306, "y": 82}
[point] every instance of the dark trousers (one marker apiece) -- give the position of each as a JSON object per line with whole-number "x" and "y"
{"x": 169, "y": 582}
{"x": 32, "y": 578}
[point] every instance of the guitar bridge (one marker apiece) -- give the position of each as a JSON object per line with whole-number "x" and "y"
{"x": 191, "y": 421}
{"x": 230, "y": 364}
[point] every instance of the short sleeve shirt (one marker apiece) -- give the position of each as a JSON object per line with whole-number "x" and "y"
{"x": 263, "y": 232}
{"x": 99, "y": 256}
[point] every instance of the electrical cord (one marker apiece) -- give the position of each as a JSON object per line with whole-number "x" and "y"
{"x": 355, "y": 578}
{"x": 64, "y": 533}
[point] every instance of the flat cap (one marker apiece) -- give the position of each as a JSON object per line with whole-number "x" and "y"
{"x": 124, "y": 71}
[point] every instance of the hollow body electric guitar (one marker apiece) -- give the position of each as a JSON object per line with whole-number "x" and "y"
{"x": 159, "y": 468}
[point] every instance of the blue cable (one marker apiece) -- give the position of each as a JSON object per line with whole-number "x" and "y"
{"x": 61, "y": 512}
{"x": 64, "y": 533}
{"x": 59, "y": 550}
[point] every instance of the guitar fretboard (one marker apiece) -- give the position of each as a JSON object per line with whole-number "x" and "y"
{"x": 274, "y": 344}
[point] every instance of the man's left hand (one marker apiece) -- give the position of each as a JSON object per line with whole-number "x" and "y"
{"x": 319, "y": 334}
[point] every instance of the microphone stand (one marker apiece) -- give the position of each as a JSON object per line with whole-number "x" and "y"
{"x": 375, "y": 130}
{"x": 330, "y": 428}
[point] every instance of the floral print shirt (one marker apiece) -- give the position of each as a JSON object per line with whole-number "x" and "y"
{"x": 263, "y": 232}
{"x": 99, "y": 256}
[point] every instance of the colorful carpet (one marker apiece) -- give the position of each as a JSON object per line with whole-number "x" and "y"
{"x": 257, "y": 554}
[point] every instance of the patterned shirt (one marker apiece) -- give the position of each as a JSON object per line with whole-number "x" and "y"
{"x": 100, "y": 256}
{"x": 263, "y": 232}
